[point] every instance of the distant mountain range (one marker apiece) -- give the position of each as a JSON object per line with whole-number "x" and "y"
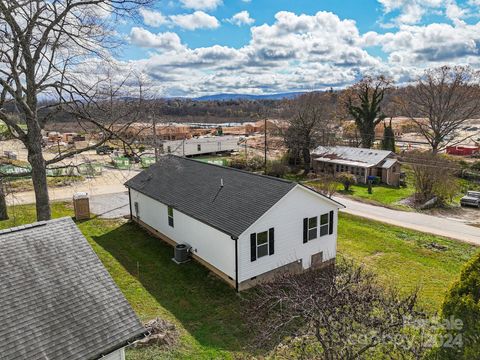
{"x": 225, "y": 97}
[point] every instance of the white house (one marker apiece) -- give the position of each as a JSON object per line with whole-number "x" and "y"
{"x": 57, "y": 300}
{"x": 243, "y": 226}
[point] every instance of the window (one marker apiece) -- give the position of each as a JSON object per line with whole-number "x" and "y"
{"x": 337, "y": 168}
{"x": 312, "y": 228}
{"x": 199, "y": 147}
{"x": 324, "y": 220}
{"x": 170, "y": 216}
{"x": 262, "y": 244}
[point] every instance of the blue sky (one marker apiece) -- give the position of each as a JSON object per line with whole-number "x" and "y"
{"x": 198, "y": 47}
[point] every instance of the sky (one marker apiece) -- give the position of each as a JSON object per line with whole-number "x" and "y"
{"x": 198, "y": 47}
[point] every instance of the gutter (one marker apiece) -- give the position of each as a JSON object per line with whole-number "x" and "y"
{"x": 122, "y": 345}
{"x": 130, "y": 203}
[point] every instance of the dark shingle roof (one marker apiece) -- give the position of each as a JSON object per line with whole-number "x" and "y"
{"x": 57, "y": 300}
{"x": 193, "y": 187}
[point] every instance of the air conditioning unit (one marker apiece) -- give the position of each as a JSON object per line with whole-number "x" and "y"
{"x": 181, "y": 254}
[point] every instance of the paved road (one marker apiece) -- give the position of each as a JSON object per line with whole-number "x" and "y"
{"x": 441, "y": 226}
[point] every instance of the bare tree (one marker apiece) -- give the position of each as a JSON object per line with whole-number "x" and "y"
{"x": 434, "y": 177}
{"x": 364, "y": 103}
{"x": 311, "y": 119}
{"x": 343, "y": 310}
{"x": 441, "y": 101}
{"x": 43, "y": 45}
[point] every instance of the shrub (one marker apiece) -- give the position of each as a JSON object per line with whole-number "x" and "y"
{"x": 238, "y": 162}
{"x": 347, "y": 180}
{"x": 476, "y": 166}
{"x": 277, "y": 168}
{"x": 463, "y": 302}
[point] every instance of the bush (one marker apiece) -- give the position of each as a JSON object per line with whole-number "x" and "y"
{"x": 277, "y": 168}
{"x": 254, "y": 163}
{"x": 463, "y": 302}
{"x": 347, "y": 180}
{"x": 476, "y": 166}
{"x": 238, "y": 162}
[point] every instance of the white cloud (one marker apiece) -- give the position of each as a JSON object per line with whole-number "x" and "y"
{"x": 197, "y": 20}
{"x": 144, "y": 38}
{"x": 153, "y": 18}
{"x": 241, "y": 18}
{"x": 201, "y": 4}
{"x": 302, "y": 52}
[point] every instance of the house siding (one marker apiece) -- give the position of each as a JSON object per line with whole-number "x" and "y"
{"x": 208, "y": 244}
{"x": 286, "y": 217}
{"x": 116, "y": 355}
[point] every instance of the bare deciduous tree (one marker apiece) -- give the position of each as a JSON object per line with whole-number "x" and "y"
{"x": 364, "y": 103}
{"x": 342, "y": 311}
{"x": 43, "y": 44}
{"x": 433, "y": 177}
{"x": 441, "y": 101}
{"x": 311, "y": 119}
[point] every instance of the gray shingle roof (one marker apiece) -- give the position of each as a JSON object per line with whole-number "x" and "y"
{"x": 57, "y": 300}
{"x": 193, "y": 187}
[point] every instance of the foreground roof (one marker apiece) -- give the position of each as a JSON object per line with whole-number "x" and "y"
{"x": 194, "y": 188}
{"x": 350, "y": 155}
{"x": 57, "y": 300}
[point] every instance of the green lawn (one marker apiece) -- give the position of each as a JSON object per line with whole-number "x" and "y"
{"x": 208, "y": 313}
{"x": 402, "y": 257}
{"x": 381, "y": 194}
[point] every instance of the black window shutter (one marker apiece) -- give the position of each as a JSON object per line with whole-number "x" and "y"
{"x": 271, "y": 241}
{"x": 253, "y": 247}
{"x": 330, "y": 226}
{"x": 305, "y": 230}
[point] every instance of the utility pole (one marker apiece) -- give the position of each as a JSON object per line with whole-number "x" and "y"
{"x": 155, "y": 144}
{"x": 265, "y": 134}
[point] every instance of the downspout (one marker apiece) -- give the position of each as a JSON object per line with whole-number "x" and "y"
{"x": 130, "y": 204}
{"x": 236, "y": 262}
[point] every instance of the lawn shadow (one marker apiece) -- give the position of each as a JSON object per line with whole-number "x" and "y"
{"x": 208, "y": 309}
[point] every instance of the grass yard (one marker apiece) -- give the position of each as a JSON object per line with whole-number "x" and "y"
{"x": 381, "y": 194}
{"x": 208, "y": 312}
{"x": 403, "y": 258}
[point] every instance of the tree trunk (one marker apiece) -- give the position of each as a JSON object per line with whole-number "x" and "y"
{"x": 39, "y": 173}
{"x": 3, "y": 202}
{"x": 306, "y": 160}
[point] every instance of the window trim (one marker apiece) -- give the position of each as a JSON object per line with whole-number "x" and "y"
{"x": 309, "y": 229}
{"x": 324, "y": 225}
{"x": 267, "y": 243}
{"x": 171, "y": 221}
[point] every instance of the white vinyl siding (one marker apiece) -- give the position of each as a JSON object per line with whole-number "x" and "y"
{"x": 210, "y": 244}
{"x": 287, "y": 219}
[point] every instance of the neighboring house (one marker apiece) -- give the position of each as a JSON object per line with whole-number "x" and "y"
{"x": 357, "y": 161}
{"x": 57, "y": 300}
{"x": 201, "y": 145}
{"x": 242, "y": 226}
